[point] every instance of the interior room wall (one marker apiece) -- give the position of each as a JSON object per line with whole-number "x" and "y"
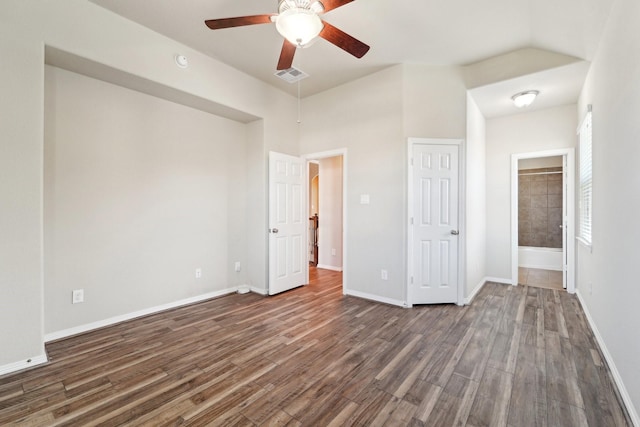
{"x": 25, "y": 28}
{"x": 330, "y": 216}
{"x": 139, "y": 192}
{"x": 368, "y": 123}
{"x": 21, "y": 326}
{"x": 540, "y": 130}
{"x": 314, "y": 180}
{"x": 607, "y": 273}
{"x": 476, "y": 217}
{"x": 409, "y": 100}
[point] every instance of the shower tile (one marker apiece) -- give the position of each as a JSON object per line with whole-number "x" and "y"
{"x": 524, "y": 226}
{"x": 538, "y": 188}
{"x": 524, "y": 213}
{"x": 539, "y": 239}
{"x": 525, "y": 239}
{"x": 554, "y": 200}
{"x": 538, "y": 215}
{"x": 554, "y": 241}
{"x": 555, "y": 216}
{"x": 539, "y": 201}
{"x": 554, "y": 177}
{"x": 540, "y": 227}
{"x": 554, "y": 187}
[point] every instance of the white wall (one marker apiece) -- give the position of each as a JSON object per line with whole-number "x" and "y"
{"x": 476, "y": 217}
{"x": 139, "y": 192}
{"x": 541, "y": 130}
{"x": 408, "y": 101}
{"x": 607, "y": 278}
{"x": 89, "y": 31}
{"x": 369, "y": 124}
{"x": 330, "y": 215}
{"x": 21, "y": 326}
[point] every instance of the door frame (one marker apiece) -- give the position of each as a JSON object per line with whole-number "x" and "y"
{"x": 568, "y": 155}
{"x": 345, "y": 176}
{"x": 412, "y": 141}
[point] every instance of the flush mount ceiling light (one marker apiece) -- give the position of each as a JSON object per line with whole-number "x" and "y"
{"x": 181, "y": 61}
{"x": 298, "y": 21}
{"x": 524, "y": 99}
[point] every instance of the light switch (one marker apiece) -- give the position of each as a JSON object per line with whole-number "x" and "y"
{"x": 364, "y": 199}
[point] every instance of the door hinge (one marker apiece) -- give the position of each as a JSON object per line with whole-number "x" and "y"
{"x": 412, "y": 161}
{"x": 411, "y": 221}
{"x": 412, "y": 280}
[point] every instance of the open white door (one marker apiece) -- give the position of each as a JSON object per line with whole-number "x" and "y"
{"x": 287, "y": 223}
{"x": 434, "y": 235}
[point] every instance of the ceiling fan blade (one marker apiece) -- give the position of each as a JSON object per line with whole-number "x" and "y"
{"x": 286, "y": 55}
{"x": 343, "y": 40}
{"x": 333, "y": 4}
{"x": 217, "y": 24}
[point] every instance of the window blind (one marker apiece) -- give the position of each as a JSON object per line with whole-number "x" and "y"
{"x": 586, "y": 180}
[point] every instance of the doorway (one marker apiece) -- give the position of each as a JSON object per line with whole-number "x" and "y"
{"x": 327, "y": 211}
{"x": 542, "y": 219}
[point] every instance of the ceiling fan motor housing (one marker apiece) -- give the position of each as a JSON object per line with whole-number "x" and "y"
{"x": 313, "y": 5}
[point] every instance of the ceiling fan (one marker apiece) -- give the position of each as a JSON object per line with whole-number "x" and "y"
{"x": 299, "y": 22}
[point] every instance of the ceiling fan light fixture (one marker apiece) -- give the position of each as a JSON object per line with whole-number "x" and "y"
{"x": 524, "y": 99}
{"x": 299, "y": 26}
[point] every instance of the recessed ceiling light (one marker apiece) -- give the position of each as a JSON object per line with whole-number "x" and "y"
{"x": 181, "y": 61}
{"x": 524, "y": 99}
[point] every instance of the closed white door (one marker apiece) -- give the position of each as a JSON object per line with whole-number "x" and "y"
{"x": 287, "y": 223}
{"x": 434, "y": 275}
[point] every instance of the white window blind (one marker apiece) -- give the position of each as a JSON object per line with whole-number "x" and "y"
{"x": 586, "y": 180}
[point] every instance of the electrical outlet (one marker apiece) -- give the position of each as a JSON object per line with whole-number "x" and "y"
{"x": 77, "y": 296}
{"x": 237, "y": 266}
{"x": 384, "y": 275}
{"x": 198, "y": 273}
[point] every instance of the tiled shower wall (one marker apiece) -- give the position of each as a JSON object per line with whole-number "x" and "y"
{"x": 540, "y": 207}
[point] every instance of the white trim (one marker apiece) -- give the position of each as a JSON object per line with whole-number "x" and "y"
{"x": 259, "y": 291}
{"x": 501, "y": 280}
{"x": 568, "y": 154}
{"x": 541, "y": 267}
{"x": 19, "y": 366}
{"x": 612, "y": 366}
{"x": 329, "y": 267}
{"x": 376, "y": 298}
{"x": 475, "y": 291}
{"x": 345, "y": 211}
{"x": 462, "y": 241}
{"x": 124, "y": 317}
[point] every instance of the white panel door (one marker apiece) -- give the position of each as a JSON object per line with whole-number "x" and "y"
{"x": 287, "y": 223}
{"x": 435, "y": 225}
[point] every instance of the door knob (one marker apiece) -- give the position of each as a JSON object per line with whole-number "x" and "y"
{"x": 274, "y": 230}
{"x": 455, "y": 232}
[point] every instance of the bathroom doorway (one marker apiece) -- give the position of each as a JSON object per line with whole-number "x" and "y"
{"x": 543, "y": 219}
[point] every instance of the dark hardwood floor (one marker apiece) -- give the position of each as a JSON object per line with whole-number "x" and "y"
{"x": 517, "y": 356}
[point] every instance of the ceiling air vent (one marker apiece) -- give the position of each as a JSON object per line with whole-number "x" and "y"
{"x": 291, "y": 75}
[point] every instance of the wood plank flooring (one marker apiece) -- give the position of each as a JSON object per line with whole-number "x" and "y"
{"x": 517, "y": 356}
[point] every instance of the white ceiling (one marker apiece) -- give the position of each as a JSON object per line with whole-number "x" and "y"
{"x": 452, "y": 32}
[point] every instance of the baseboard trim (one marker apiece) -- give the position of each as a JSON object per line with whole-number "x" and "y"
{"x": 475, "y": 291}
{"x": 631, "y": 410}
{"x": 541, "y": 267}
{"x": 329, "y": 267}
{"x": 19, "y": 366}
{"x": 375, "y": 298}
{"x": 123, "y": 318}
{"x": 499, "y": 280}
{"x": 258, "y": 290}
